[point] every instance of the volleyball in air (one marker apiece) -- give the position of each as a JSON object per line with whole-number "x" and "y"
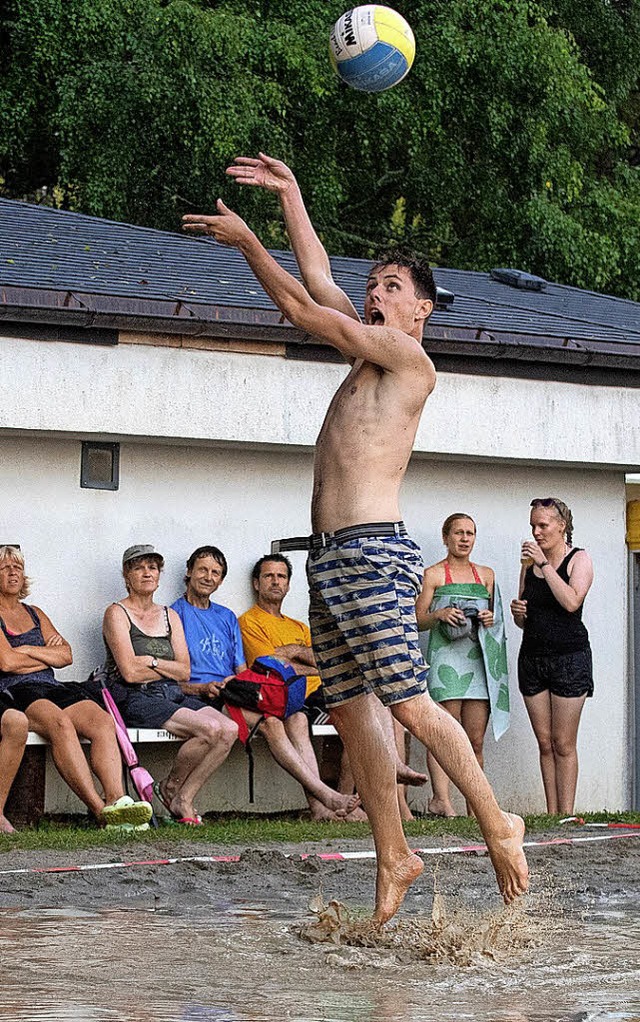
{"x": 372, "y": 48}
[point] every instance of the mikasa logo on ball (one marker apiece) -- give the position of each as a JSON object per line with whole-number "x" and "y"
{"x": 349, "y": 37}
{"x": 371, "y": 47}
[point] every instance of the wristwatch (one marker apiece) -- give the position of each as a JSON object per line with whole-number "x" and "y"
{"x": 154, "y": 663}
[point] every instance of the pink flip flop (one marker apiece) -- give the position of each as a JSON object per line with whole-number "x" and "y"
{"x": 190, "y": 821}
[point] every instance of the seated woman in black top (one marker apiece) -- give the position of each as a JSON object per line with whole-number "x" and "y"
{"x": 554, "y": 666}
{"x": 30, "y": 647}
{"x": 147, "y": 659}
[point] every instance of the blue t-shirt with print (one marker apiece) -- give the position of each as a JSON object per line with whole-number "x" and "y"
{"x": 213, "y": 639}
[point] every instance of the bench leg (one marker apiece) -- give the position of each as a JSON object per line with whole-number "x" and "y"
{"x": 25, "y": 804}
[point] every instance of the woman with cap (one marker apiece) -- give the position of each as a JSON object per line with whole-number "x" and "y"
{"x": 555, "y": 671}
{"x": 461, "y": 608}
{"x": 147, "y": 659}
{"x": 30, "y": 649}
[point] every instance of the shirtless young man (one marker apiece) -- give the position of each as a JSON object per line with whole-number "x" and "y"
{"x": 363, "y": 569}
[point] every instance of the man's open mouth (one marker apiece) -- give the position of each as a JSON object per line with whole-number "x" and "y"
{"x": 376, "y": 317}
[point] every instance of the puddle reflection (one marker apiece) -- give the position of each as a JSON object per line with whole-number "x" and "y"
{"x": 243, "y": 962}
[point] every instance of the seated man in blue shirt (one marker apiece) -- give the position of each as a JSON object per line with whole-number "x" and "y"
{"x": 215, "y": 647}
{"x": 212, "y": 631}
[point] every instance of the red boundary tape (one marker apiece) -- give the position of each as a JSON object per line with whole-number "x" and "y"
{"x": 325, "y": 856}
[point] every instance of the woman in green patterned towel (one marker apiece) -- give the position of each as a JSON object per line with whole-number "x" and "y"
{"x": 461, "y": 609}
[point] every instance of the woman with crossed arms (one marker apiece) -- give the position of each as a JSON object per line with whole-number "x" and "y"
{"x": 30, "y": 649}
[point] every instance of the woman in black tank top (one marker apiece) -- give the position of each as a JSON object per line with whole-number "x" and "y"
{"x": 149, "y": 669}
{"x": 554, "y": 666}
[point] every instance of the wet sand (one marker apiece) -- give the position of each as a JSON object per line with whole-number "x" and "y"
{"x": 258, "y": 940}
{"x": 571, "y": 874}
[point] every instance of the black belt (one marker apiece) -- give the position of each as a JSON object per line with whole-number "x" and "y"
{"x": 322, "y": 539}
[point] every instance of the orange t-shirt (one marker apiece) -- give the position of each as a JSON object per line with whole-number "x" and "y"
{"x": 262, "y": 632}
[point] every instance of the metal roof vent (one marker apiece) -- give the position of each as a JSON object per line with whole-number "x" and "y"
{"x": 520, "y": 279}
{"x": 444, "y": 298}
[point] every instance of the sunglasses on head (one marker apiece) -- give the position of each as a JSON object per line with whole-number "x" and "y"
{"x": 12, "y": 546}
{"x": 545, "y": 502}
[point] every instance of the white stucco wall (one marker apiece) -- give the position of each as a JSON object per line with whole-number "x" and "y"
{"x": 242, "y": 477}
{"x": 166, "y": 392}
{"x": 179, "y": 498}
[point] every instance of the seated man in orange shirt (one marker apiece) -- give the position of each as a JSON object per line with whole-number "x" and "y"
{"x": 266, "y": 631}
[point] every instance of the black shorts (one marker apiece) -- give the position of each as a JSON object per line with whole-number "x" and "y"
{"x": 152, "y": 705}
{"x": 6, "y": 703}
{"x": 315, "y": 708}
{"x": 563, "y": 674}
{"x": 62, "y": 694}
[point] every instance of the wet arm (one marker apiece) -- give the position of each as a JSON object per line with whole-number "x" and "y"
{"x": 313, "y": 261}
{"x": 391, "y": 349}
{"x": 311, "y": 255}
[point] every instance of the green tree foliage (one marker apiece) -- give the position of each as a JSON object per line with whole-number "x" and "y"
{"x": 513, "y": 141}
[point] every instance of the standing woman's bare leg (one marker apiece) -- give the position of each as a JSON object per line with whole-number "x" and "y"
{"x": 440, "y": 804}
{"x": 565, "y": 720}
{"x": 474, "y": 717}
{"x": 539, "y": 710}
{"x": 14, "y": 729}
{"x": 400, "y": 738}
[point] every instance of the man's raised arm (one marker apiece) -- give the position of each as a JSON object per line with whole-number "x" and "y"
{"x": 311, "y": 256}
{"x": 388, "y": 348}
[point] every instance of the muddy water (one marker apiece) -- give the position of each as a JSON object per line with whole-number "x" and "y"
{"x": 240, "y": 961}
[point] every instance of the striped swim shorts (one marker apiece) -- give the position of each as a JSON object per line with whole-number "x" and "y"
{"x": 362, "y": 615}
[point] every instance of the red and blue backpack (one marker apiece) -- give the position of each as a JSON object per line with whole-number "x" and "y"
{"x": 271, "y": 688}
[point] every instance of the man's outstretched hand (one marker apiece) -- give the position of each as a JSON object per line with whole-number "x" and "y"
{"x": 227, "y": 227}
{"x": 265, "y": 172}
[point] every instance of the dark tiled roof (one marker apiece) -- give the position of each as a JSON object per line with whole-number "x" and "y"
{"x": 55, "y": 264}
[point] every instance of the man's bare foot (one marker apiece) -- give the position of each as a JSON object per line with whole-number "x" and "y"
{"x": 392, "y": 885}
{"x": 320, "y": 814}
{"x": 5, "y": 826}
{"x": 342, "y": 804}
{"x": 357, "y": 816}
{"x": 405, "y": 775}
{"x": 438, "y": 807}
{"x": 182, "y": 808}
{"x": 508, "y": 858}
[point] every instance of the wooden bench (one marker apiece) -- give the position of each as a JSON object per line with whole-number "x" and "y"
{"x": 139, "y": 735}
{"x": 31, "y": 796}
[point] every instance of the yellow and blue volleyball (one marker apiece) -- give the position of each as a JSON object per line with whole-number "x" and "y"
{"x": 372, "y": 48}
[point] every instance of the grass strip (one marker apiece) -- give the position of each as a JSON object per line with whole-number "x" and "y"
{"x": 77, "y": 833}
